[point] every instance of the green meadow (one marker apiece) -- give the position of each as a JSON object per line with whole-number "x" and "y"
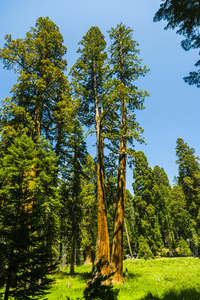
{"x": 166, "y": 278}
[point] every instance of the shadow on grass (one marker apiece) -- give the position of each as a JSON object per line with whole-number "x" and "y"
{"x": 131, "y": 276}
{"x": 82, "y": 275}
{"x": 173, "y": 294}
{"x": 97, "y": 290}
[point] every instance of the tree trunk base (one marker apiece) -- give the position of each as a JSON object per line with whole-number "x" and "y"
{"x": 98, "y": 279}
{"x": 88, "y": 261}
{"x": 117, "y": 279}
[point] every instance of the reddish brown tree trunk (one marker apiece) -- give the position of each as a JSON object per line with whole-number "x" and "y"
{"x": 117, "y": 243}
{"x": 102, "y": 259}
{"x": 102, "y": 251}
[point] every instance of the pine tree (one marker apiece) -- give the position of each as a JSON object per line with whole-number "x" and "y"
{"x": 28, "y": 218}
{"x": 126, "y": 69}
{"x": 88, "y": 79}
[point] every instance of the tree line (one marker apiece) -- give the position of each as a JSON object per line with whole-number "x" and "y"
{"x": 57, "y": 203}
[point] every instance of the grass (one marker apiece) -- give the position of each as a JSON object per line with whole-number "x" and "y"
{"x": 166, "y": 278}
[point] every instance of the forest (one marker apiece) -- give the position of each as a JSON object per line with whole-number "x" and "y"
{"x": 59, "y": 206}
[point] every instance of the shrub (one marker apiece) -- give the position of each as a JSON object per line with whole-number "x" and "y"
{"x": 144, "y": 249}
{"x": 183, "y": 248}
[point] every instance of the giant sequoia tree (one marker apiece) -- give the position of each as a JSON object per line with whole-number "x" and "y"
{"x": 88, "y": 79}
{"x": 40, "y": 100}
{"x": 126, "y": 68}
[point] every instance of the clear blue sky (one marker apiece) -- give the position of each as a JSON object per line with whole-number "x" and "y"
{"x": 172, "y": 110}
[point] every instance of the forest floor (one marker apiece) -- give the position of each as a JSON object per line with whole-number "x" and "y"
{"x": 164, "y": 278}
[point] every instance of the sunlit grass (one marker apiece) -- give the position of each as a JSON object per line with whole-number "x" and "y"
{"x": 67, "y": 286}
{"x": 161, "y": 279}
{"x": 166, "y": 279}
{"x": 175, "y": 278}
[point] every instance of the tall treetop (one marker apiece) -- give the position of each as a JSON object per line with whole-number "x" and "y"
{"x": 88, "y": 75}
{"x": 126, "y": 64}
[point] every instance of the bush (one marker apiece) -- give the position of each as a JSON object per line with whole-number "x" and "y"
{"x": 183, "y": 248}
{"x": 144, "y": 249}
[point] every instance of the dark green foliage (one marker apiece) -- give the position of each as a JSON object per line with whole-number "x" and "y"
{"x": 180, "y": 217}
{"x": 147, "y": 223}
{"x": 185, "y": 16}
{"x": 89, "y": 209}
{"x": 162, "y": 200}
{"x": 183, "y": 248}
{"x": 28, "y": 218}
{"x": 189, "y": 178}
{"x": 72, "y": 174}
{"x": 189, "y": 181}
{"x": 144, "y": 249}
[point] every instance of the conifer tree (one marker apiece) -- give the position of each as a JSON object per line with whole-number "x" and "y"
{"x": 74, "y": 168}
{"x": 28, "y": 218}
{"x": 147, "y": 223}
{"x": 40, "y": 99}
{"x": 88, "y": 79}
{"x": 181, "y": 220}
{"x": 126, "y": 68}
{"x": 162, "y": 200}
{"x": 89, "y": 208}
{"x": 189, "y": 178}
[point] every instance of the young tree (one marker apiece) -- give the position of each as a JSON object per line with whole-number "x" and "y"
{"x": 126, "y": 68}
{"x": 28, "y": 218}
{"x": 88, "y": 79}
